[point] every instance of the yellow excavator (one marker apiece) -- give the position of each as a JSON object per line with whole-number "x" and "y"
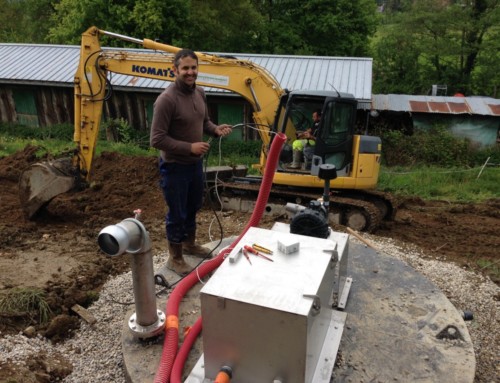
{"x": 356, "y": 157}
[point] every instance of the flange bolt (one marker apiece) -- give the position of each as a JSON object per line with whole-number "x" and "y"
{"x": 467, "y": 315}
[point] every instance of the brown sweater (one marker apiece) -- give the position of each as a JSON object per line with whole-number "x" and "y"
{"x": 180, "y": 118}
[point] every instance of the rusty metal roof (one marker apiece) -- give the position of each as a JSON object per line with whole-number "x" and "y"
{"x": 436, "y": 104}
{"x": 56, "y": 65}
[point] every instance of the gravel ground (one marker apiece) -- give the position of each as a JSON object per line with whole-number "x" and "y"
{"x": 95, "y": 351}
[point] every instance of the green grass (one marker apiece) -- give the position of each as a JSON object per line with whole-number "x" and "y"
{"x": 438, "y": 183}
{"x": 232, "y": 159}
{"x": 459, "y": 183}
{"x": 126, "y": 149}
{"x": 25, "y": 301}
{"x": 493, "y": 267}
{"x": 9, "y": 145}
{"x": 56, "y": 147}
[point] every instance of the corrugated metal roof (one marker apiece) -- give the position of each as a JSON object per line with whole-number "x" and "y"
{"x": 436, "y": 104}
{"x": 56, "y": 64}
{"x": 345, "y": 74}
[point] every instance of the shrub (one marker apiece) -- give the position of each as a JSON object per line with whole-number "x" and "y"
{"x": 119, "y": 130}
{"x": 436, "y": 146}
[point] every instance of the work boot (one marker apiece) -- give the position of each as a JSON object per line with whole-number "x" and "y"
{"x": 176, "y": 261}
{"x": 297, "y": 159}
{"x": 308, "y": 156}
{"x": 190, "y": 247}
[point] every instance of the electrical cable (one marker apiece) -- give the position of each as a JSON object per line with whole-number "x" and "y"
{"x": 216, "y": 176}
{"x": 208, "y": 258}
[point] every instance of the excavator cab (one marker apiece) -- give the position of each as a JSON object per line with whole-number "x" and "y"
{"x": 334, "y": 136}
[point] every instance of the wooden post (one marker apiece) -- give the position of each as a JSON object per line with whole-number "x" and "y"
{"x": 365, "y": 241}
{"x": 482, "y": 168}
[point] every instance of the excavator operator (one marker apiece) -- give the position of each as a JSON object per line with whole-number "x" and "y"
{"x": 303, "y": 146}
{"x": 179, "y": 120}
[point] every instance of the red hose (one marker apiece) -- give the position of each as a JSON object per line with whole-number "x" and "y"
{"x": 183, "y": 353}
{"x": 169, "y": 353}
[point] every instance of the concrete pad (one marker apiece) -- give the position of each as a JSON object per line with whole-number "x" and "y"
{"x": 397, "y": 329}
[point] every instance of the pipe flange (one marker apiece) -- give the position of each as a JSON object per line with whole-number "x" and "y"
{"x": 150, "y": 331}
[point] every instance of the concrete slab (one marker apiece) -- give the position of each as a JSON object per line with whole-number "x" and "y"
{"x": 400, "y": 327}
{"x": 395, "y": 323}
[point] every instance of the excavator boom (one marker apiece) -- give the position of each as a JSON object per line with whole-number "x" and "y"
{"x": 40, "y": 183}
{"x": 275, "y": 111}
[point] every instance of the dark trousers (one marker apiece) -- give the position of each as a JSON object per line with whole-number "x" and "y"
{"x": 182, "y": 187}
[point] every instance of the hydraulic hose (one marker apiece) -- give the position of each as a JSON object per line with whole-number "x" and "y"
{"x": 169, "y": 353}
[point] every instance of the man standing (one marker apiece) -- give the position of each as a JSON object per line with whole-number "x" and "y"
{"x": 179, "y": 120}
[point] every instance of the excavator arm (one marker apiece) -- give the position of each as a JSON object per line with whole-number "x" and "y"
{"x": 253, "y": 83}
{"x": 43, "y": 181}
{"x": 356, "y": 157}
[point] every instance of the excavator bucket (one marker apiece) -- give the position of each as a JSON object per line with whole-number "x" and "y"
{"x": 41, "y": 182}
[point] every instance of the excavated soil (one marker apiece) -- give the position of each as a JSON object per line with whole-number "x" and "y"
{"x": 57, "y": 251}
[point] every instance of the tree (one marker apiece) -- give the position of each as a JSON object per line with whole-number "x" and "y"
{"x": 160, "y": 19}
{"x": 481, "y": 17}
{"x": 222, "y": 25}
{"x": 396, "y": 65}
{"x": 486, "y": 75}
{"x": 317, "y": 27}
{"x": 72, "y": 17}
{"x": 164, "y": 20}
{"x": 339, "y": 28}
{"x": 449, "y": 38}
{"x": 8, "y": 21}
{"x": 25, "y": 21}
{"x": 314, "y": 27}
{"x": 279, "y": 33}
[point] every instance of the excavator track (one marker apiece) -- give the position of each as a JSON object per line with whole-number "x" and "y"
{"x": 385, "y": 202}
{"x": 361, "y": 213}
{"x": 351, "y": 210}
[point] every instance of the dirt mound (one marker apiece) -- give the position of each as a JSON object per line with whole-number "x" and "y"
{"x": 57, "y": 250}
{"x": 464, "y": 233}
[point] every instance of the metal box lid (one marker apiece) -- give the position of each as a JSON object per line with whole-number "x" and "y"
{"x": 281, "y": 284}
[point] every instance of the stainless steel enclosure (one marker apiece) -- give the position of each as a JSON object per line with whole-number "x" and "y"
{"x": 274, "y": 320}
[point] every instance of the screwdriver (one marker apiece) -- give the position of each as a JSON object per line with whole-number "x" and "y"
{"x": 262, "y": 249}
{"x": 253, "y": 251}
{"x": 245, "y": 253}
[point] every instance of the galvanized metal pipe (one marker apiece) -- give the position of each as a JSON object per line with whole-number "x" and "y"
{"x": 130, "y": 236}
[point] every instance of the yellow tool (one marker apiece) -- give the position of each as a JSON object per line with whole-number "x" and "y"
{"x": 262, "y": 249}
